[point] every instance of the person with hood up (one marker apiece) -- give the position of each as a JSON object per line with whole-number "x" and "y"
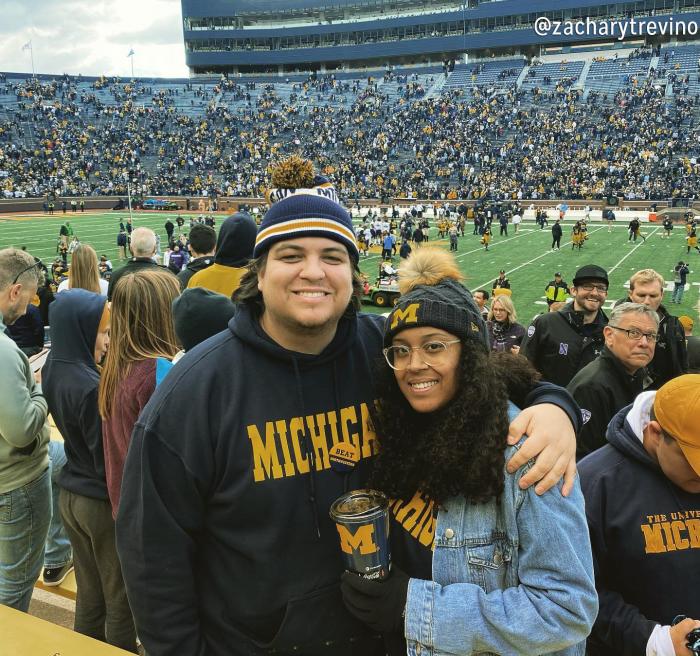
{"x": 642, "y": 494}
{"x": 80, "y": 322}
{"x": 223, "y": 529}
{"x": 234, "y": 249}
{"x": 198, "y": 314}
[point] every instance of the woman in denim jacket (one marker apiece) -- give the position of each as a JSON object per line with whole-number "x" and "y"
{"x": 479, "y": 565}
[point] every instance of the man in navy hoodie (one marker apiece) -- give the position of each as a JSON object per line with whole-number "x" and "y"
{"x": 642, "y": 495}
{"x": 223, "y": 528}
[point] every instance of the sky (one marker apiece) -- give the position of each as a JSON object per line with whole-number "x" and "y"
{"x": 93, "y": 37}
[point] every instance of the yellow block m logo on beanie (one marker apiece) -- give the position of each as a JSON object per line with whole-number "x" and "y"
{"x": 409, "y": 314}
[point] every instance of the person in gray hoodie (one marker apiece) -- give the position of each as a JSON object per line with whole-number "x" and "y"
{"x": 25, "y": 483}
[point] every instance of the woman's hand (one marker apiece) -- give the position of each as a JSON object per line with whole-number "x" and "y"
{"x": 551, "y": 440}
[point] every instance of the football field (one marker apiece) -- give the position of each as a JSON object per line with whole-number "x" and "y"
{"x": 526, "y": 256}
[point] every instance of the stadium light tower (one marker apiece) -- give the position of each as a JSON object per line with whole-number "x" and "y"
{"x": 131, "y": 57}
{"x": 28, "y": 46}
{"x": 127, "y": 175}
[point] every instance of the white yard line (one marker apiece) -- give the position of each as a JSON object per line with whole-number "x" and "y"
{"x": 522, "y": 233}
{"x": 534, "y": 259}
{"x": 632, "y": 251}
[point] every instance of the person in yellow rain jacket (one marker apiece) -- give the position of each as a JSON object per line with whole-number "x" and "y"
{"x": 557, "y": 291}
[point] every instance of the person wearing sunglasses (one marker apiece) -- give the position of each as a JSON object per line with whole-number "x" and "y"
{"x": 25, "y": 482}
{"x": 613, "y": 380}
{"x": 559, "y": 344}
{"x": 479, "y": 565}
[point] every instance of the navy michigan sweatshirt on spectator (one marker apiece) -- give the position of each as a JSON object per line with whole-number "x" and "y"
{"x": 230, "y": 474}
{"x": 645, "y": 534}
{"x": 69, "y": 381}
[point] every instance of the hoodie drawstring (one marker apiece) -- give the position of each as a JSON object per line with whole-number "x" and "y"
{"x": 309, "y": 449}
{"x": 346, "y": 475}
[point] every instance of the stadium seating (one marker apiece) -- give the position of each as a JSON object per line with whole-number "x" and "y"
{"x": 190, "y": 136}
{"x": 500, "y": 73}
{"x": 679, "y": 59}
{"x": 552, "y": 73}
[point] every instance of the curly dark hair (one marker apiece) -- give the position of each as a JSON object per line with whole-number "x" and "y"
{"x": 459, "y": 449}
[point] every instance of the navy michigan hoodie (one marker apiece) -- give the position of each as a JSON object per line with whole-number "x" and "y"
{"x": 223, "y": 530}
{"x": 70, "y": 379}
{"x": 645, "y": 534}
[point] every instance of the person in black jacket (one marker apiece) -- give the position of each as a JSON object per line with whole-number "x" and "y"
{"x": 143, "y": 249}
{"x": 642, "y": 495}
{"x": 556, "y": 234}
{"x": 169, "y": 230}
{"x": 501, "y": 282}
{"x": 80, "y": 337}
{"x": 561, "y": 343}
{"x": 614, "y": 379}
{"x": 28, "y": 331}
{"x": 671, "y": 355}
{"x": 202, "y": 245}
{"x": 668, "y": 227}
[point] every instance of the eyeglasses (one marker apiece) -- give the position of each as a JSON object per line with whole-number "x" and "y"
{"x": 432, "y": 354}
{"x": 23, "y": 271}
{"x": 589, "y": 287}
{"x": 636, "y": 335}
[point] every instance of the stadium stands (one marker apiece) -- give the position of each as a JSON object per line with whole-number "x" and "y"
{"x": 500, "y": 73}
{"x": 552, "y": 74}
{"x": 404, "y": 132}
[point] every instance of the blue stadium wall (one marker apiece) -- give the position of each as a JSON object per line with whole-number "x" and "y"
{"x": 435, "y": 48}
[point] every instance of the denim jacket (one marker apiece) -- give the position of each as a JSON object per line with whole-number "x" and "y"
{"x": 513, "y": 576}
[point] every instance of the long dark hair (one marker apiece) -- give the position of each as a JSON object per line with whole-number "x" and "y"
{"x": 459, "y": 449}
{"x": 142, "y": 328}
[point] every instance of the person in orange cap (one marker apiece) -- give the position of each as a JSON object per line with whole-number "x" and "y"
{"x": 642, "y": 494}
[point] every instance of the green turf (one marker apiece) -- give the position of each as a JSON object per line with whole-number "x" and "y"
{"x": 526, "y": 256}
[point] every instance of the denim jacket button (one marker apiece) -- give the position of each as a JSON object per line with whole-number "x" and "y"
{"x": 497, "y": 559}
{"x": 449, "y": 533}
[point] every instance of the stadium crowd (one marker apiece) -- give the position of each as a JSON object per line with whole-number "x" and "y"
{"x": 62, "y": 137}
{"x": 210, "y": 419}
